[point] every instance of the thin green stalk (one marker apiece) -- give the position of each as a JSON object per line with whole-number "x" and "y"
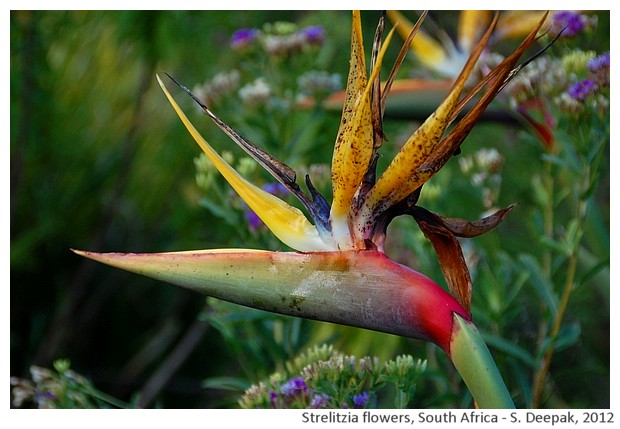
{"x": 402, "y": 399}
{"x": 569, "y": 286}
{"x": 548, "y": 217}
{"x": 540, "y": 376}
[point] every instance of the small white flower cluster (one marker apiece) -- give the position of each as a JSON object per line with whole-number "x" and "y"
{"x": 46, "y": 389}
{"x": 220, "y": 86}
{"x": 315, "y": 82}
{"x": 484, "y": 168}
{"x": 568, "y": 82}
{"x": 279, "y": 39}
{"x": 284, "y": 38}
{"x": 320, "y": 174}
{"x": 543, "y": 76}
{"x": 256, "y": 92}
{"x": 280, "y": 45}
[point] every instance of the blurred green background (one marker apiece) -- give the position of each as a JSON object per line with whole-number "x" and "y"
{"x": 99, "y": 161}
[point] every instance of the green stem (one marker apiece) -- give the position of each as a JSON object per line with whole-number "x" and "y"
{"x": 474, "y": 362}
{"x": 548, "y": 217}
{"x": 402, "y": 399}
{"x": 569, "y": 286}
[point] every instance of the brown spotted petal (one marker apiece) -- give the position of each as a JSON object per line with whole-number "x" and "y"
{"x": 408, "y": 170}
{"x": 449, "y": 254}
{"x": 496, "y": 80}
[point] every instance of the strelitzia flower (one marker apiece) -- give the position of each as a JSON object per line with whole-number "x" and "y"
{"x": 338, "y": 271}
{"x": 446, "y": 55}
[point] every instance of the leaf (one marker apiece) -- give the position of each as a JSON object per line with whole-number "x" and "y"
{"x": 218, "y": 211}
{"x": 540, "y": 283}
{"x": 523, "y": 378}
{"x": 592, "y": 272}
{"x": 510, "y": 349}
{"x": 559, "y": 161}
{"x": 573, "y": 235}
{"x": 540, "y": 193}
{"x": 566, "y": 337}
{"x": 507, "y": 262}
{"x": 558, "y": 246}
{"x": 235, "y": 384}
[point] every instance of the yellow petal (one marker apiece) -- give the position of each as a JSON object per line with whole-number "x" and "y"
{"x": 402, "y": 176}
{"x": 355, "y": 143}
{"x": 471, "y": 24}
{"x": 286, "y": 222}
{"x": 356, "y": 84}
{"x": 517, "y": 23}
{"x": 394, "y": 184}
{"x": 428, "y": 50}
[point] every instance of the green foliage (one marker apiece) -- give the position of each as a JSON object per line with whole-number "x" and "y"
{"x": 99, "y": 161}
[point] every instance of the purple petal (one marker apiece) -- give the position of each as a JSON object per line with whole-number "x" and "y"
{"x": 580, "y": 90}
{"x": 243, "y": 38}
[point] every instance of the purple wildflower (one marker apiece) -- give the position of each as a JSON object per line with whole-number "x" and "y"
{"x": 294, "y": 386}
{"x": 600, "y": 63}
{"x": 243, "y": 38}
{"x": 314, "y": 35}
{"x": 252, "y": 219}
{"x": 319, "y": 400}
{"x": 361, "y": 400}
{"x": 273, "y": 399}
{"x": 277, "y": 189}
{"x": 572, "y": 22}
{"x": 580, "y": 90}
{"x": 599, "y": 70}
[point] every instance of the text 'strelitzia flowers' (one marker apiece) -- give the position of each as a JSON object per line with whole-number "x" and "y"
{"x": 339, "y": 272}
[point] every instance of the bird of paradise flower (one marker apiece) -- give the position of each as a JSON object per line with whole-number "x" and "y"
{"x": 339, "y": 272}
{"x": 446, "y": 56}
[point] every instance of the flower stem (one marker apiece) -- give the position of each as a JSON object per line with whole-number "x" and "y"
{"x": 543, "y": 331}
{"x": 569, "y": 286}
{"x": 474, "y": 362}
{"x": 548, "y": 184}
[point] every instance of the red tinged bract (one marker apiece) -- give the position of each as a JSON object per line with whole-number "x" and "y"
{"x": 363, "y": 289}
